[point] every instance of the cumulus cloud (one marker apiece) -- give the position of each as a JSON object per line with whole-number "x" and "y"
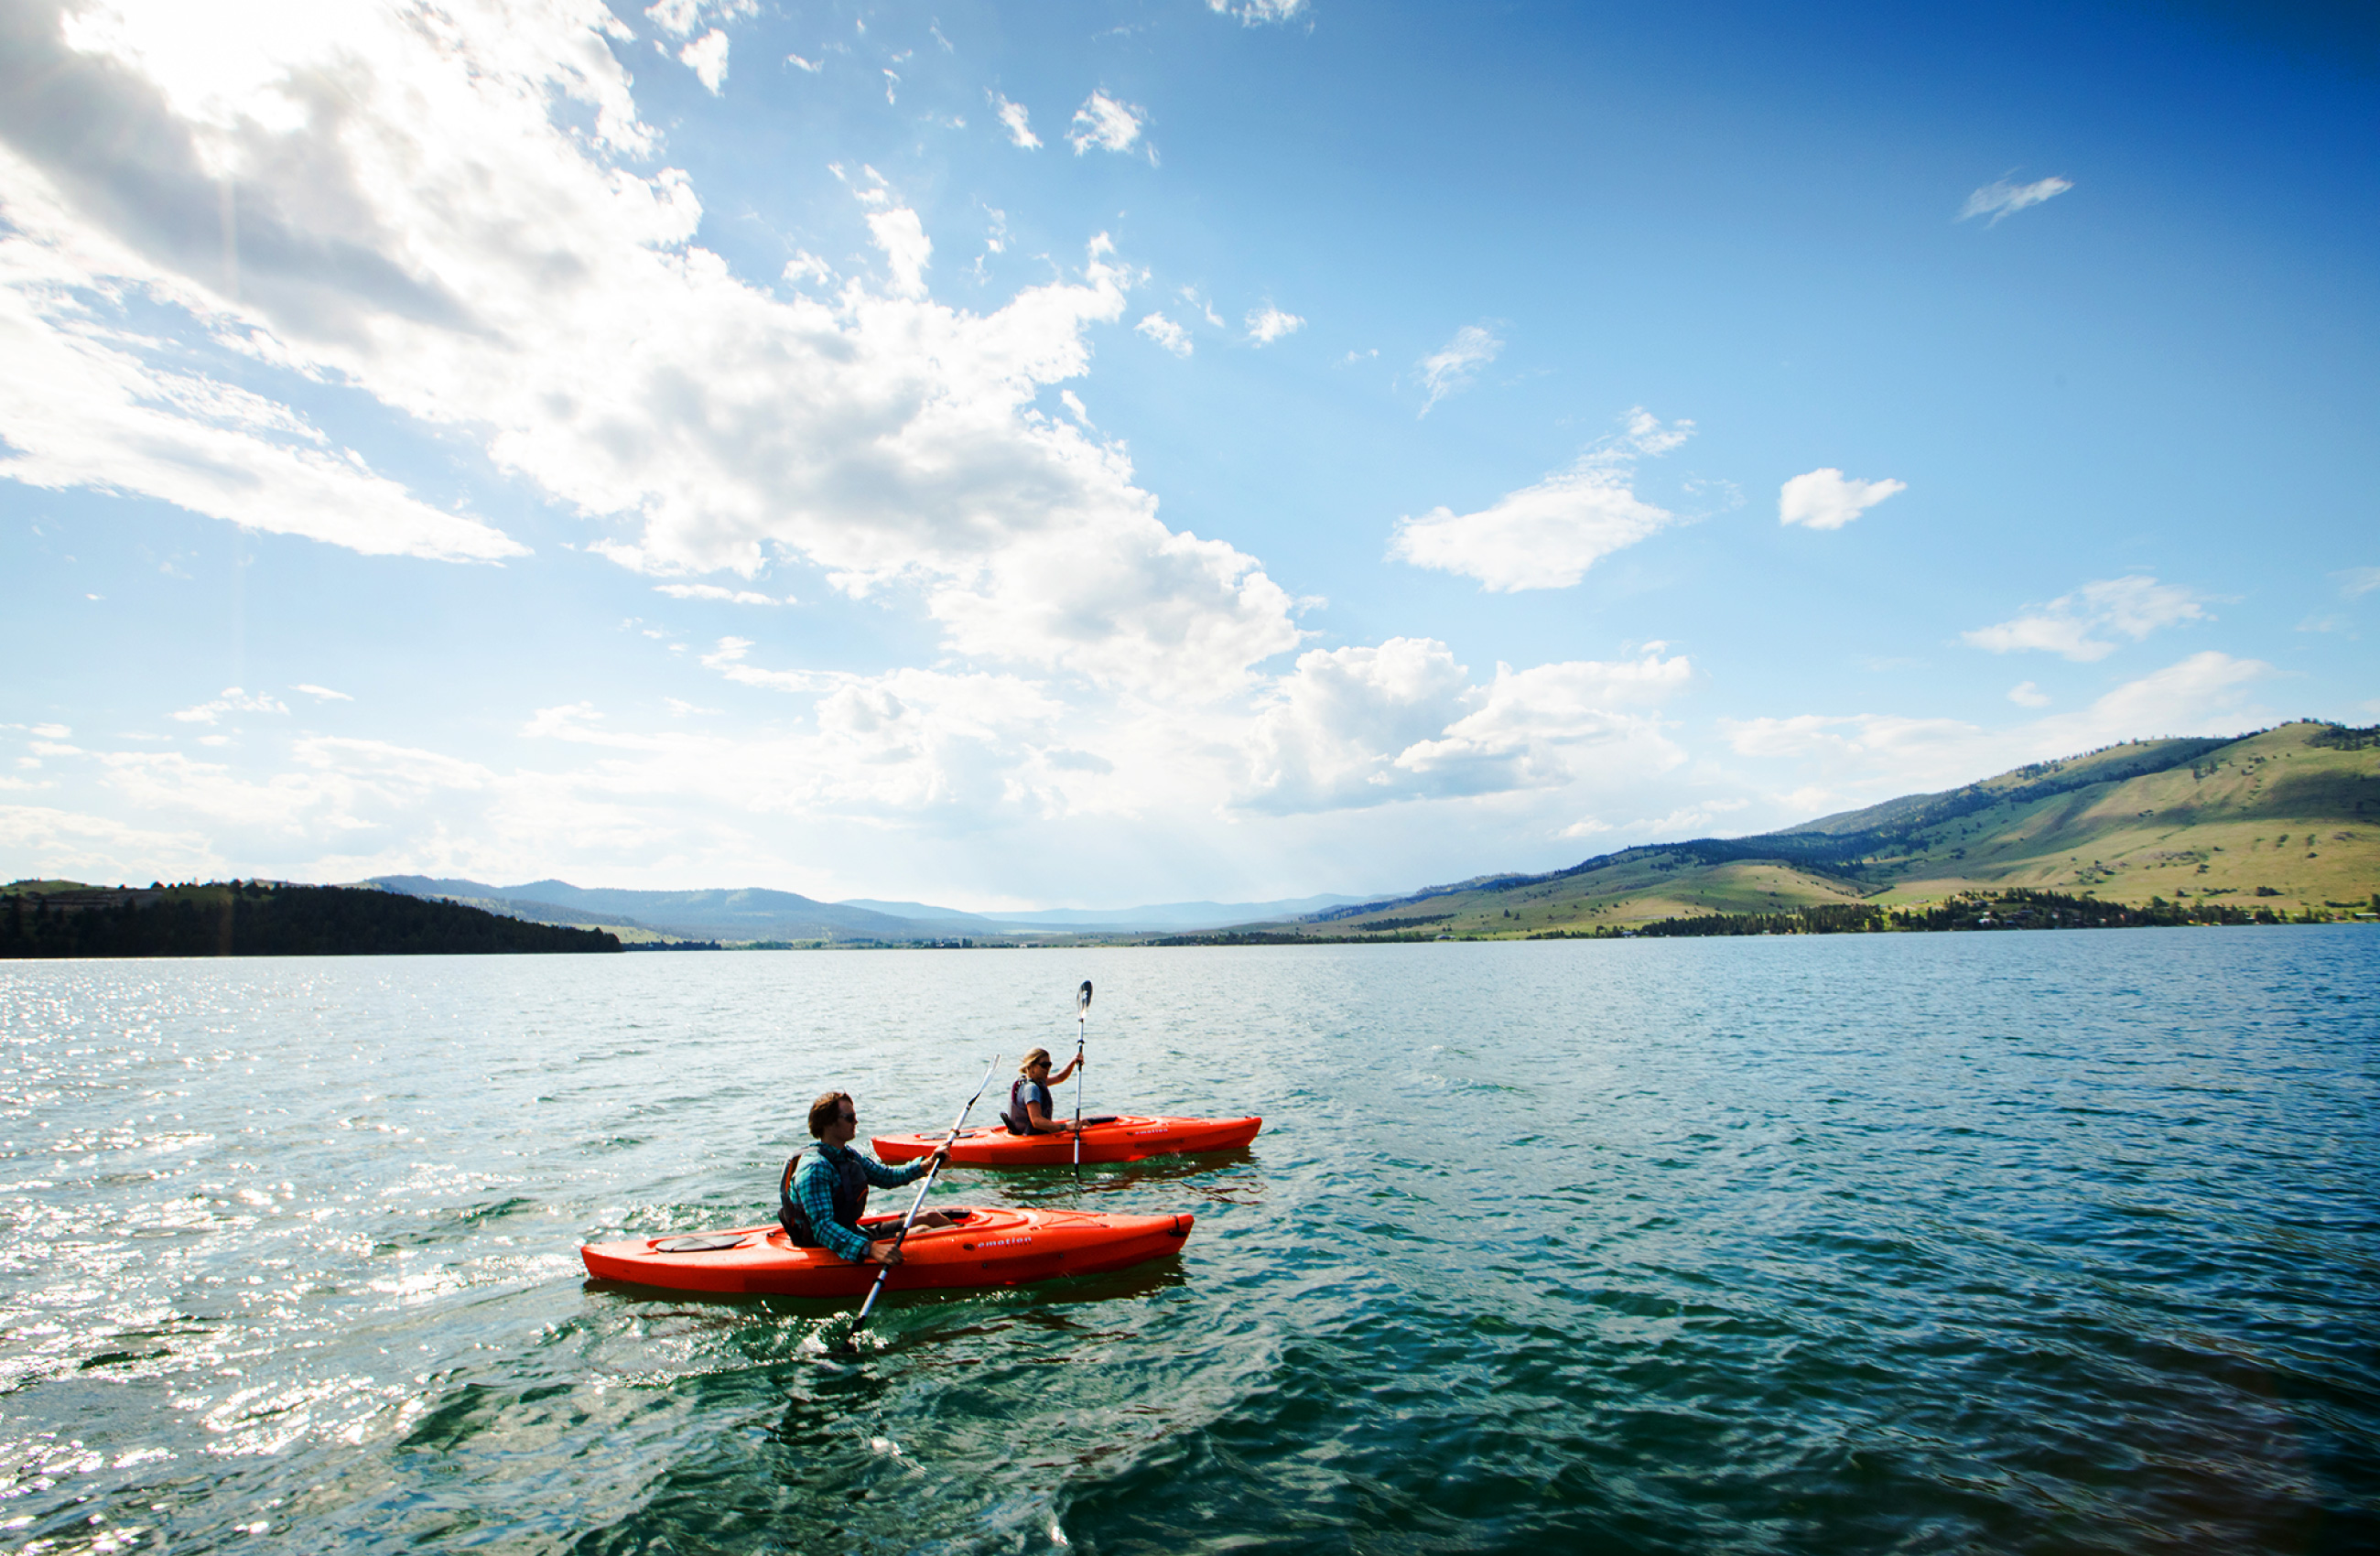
{"x": 1166, "y": 332}
{"x": 1452, "y": 368}
{"x": 1104, "y": 122}
{"x": 2132, "y": 607}
{"x": 1827, "y": 499}
{"x": 2024, "y": 693}
{"x": 707, "y": 57}
{"x": 1268, "y": 324}
{"x": 1547, "y": 535}
{"x": 1362, "y": 726}
{"x": 436, "y": 235}
{"x": 2001, "y": 199}
{"x": 1012, "y": 117}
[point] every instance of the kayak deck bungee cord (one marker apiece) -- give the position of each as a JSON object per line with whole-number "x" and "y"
{"x": 991, "y": 1246}
{"x": 1123, "y": 1137}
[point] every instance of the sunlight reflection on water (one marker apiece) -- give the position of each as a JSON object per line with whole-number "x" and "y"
{"x": 2043, "y": 1241}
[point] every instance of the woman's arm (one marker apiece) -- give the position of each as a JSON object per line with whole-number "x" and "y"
{"x": 1043, "y": 1123}
{"x": 1069, "y": 1070}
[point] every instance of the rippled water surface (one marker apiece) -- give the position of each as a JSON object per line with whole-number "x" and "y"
{"x": 2041, "y": 1241}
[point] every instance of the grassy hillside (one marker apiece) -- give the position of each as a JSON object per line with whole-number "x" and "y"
{"x": 2287, "y": 819}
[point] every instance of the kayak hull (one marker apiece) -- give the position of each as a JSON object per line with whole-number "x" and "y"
{"x": 1131, "y": 1137}
{"x": 994, "y": 1247}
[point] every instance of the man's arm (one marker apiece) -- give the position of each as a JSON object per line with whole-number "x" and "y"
{"x": 894, "y": 1177}
{"x": 814, "y": 1187}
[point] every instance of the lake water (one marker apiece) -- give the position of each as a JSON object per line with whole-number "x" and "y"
{"x": 2054, "y": 1242}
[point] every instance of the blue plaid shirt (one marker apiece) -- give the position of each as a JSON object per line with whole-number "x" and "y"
{"x": 814, "y": 1192}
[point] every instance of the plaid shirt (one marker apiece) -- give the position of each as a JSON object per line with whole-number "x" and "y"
{"x": 814, "y": 1192}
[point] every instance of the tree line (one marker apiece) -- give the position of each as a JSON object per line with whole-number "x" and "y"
{"x": 270, "y": 920}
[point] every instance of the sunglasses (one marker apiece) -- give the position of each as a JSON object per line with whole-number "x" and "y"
{"x": 847, "y": 1117}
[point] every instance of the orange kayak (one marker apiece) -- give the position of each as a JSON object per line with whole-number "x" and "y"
{"x": 990, "y": 1247}
{"x": 1128, "y": 1138}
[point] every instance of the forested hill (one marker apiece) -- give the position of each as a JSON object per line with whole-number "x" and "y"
{"x": 256, "y": 919}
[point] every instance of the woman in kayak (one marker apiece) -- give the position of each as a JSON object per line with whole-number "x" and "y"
{"x": 1028, "y": 1097}
{"x": 821, "y": 1200}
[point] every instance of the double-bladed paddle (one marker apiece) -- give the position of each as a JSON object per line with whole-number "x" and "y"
{"x": 851, "y": 1341}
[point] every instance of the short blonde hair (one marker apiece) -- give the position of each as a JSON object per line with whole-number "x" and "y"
{"x": 1038, "y": 1056}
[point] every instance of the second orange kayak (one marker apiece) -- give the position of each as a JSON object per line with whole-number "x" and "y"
{"x": 1127, "y": 1137}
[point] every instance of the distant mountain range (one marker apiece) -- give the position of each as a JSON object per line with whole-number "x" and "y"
{"x": 754, "y": 913}
{"x": 2286, "y": 818}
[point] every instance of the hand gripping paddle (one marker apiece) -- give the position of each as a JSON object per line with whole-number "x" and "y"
{"x": 851, "y": 1341}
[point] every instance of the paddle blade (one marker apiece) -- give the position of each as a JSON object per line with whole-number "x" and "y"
{"x": 1083, "y": 997}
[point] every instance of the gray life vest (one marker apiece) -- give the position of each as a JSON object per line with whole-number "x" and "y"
{"x": 1019, "y": 1116}
{"x": 850, "y": 1198}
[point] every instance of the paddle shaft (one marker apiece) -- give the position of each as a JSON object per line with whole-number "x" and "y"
{"x": 915, "y": 1205}
{"x": 1081, "y": 1015}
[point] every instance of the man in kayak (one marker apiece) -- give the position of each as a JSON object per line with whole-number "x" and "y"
{"x": 824, "y": 1191}
{"x": 1028, "y": 1097}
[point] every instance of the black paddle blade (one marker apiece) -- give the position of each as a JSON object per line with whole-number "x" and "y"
{"x": 1083, "y": 996}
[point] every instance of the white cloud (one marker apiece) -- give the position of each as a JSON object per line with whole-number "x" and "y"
{"x": 1826, "y": 499}
{"x": 1012, "y": 117}
{"x": 1255, "y": 13}
{"x": 2000, "y": 199}
{"x": 1861, "y": 759}
{"x": 2024, "y": 693}
{"x": 232, "y": 701}
{"x": 1104, "y": 122}
{"x": 1268, "y": 324}
{"x": 798, "y": 63}
{"x": 680, "y": 17}
{"x": 2132, "y": 607}
{"x": 53, "y": 732}
{"x": 725, "y": 596}
{"x": 1166, "y": 332}
{"x": 59, "y": 845}
{"x": 707, "y": 57}
{"x": 1452, "y": 368}
{"x": 2356, "y": 582}
{"x": 322, "y": 694}
{"x": 475, "y": 260}
{"x": 88, "y": 400}
{"x": 1362, "y": 726}
{"x": 804, "y": 267}
{"x": 1546, "y": 536}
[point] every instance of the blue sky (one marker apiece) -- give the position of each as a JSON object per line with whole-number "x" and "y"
{"x": 1083, "y": 454}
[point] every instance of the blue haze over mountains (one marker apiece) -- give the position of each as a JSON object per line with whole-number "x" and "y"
{"x": 756, "y": 914}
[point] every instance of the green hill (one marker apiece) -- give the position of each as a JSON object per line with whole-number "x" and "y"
{"x": 2287, "y": 819}
{"x": 49, "y": 918}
